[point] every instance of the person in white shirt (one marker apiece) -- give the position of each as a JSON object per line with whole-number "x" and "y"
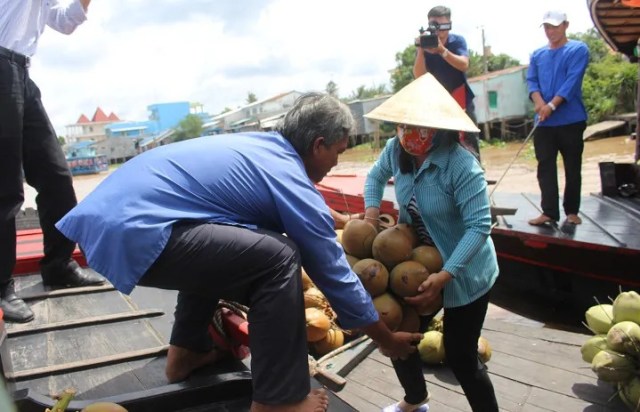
{"x": 28, "y": 143}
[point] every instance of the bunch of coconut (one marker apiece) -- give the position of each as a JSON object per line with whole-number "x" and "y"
{"x": 614, "y": 350}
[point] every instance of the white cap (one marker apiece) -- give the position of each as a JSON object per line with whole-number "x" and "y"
{"x": 554, "y": 17}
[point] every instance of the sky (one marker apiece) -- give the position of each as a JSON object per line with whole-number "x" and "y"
{"x": 133, "y": 53}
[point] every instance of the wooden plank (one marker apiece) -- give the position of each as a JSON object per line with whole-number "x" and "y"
{"x": 67, "y": 292}
{"x": 87, "y": 363}
{"x": 90, "y": 321}
{"x": 602, "y": 127}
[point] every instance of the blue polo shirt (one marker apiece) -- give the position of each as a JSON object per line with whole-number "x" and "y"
{"x": 559, "y": 72}
{"x": 451, "y": 193}
{"x": 254, "y": 180}
{"x": 450, "y": 77}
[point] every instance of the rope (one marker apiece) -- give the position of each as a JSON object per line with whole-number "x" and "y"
{"x": 514, "y": 159}
{"x": 234, "y": 307}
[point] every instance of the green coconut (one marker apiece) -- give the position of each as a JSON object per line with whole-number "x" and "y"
{"x": 624, "y": 337}
{"x": 599, "y": 318}
{"x": 592, "y": 346}
{"x": 431, "y": 348}
{"x": 611, "y": 366}
{"x": 627, "y": 307}
{"x": 484, "y": 350}
{"x": 436, "y": 323}
{"x": 629, "y": 392}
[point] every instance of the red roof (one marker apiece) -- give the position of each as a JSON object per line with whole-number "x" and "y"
{"x": 99, "y": 116}
{"x": 113, "y": 117}
{"x": 82, "y": 119}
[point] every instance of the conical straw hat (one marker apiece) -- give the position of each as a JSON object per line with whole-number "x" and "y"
{"x": 424, "y": 102}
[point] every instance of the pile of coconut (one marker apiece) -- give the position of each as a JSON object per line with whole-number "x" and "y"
{"x": 391, "y": 265}
{"x": 614, "y": 351}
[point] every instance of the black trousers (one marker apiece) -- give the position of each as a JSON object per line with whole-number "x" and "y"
{"x": 260, "y": 269}
{"x": 567, "y": 140}
{"x": 462, "y": 328}
{"x": 29, "y": 143}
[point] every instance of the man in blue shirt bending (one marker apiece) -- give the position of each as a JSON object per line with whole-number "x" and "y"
{"x": 448, "y": 62}
{"x": 555, "y": 87}
{"x": 206, "y": 217}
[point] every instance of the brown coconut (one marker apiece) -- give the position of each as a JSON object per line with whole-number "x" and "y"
{"x": 318, "y": 324}
{"x": 406, "y": 277}
{"x": 410, "y": 232}
{"x": 373, "y": 275}
{"x": 429, "y": 257}
{"x": 357, "y": 238}
{"x": 389, "y": 309}
{"x": 352, "y": 260}
{"x": 391, "y": 247}
{"x": 333, "y": 340}
{"x": 410, "y": 319}
{"x": 306, "y": 281}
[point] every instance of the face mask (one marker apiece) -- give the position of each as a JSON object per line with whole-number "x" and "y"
{"x": 415, "y": 140}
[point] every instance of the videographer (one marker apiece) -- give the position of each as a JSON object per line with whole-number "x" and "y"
{"x": 446, "y": 57}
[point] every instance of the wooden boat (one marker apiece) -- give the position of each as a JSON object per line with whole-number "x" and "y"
{"x": 112, "y": 347}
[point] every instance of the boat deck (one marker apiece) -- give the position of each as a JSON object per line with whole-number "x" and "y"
{"x": 532, "y": 369}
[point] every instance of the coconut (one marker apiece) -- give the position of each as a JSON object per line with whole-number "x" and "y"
{"x": 630, "y": 393}
{"x": 103, "y": 407}
{"x": 410, "y": 233}
{"x": 624, "y": 337}
{"x": 313, "y": 298}
{"x": 306, "y": 281}
{"x": 318, "y": 324}
{"x": 391, "y": 247}
{"x": 431, "y": 347}
{"x": 627, "y": 307}
{"x": 351, "y": 260}
{"x": 429, "y": 257}
{"x": 373, "y": 275}
{"x": 612, "y": 366}
{"x": 339, "y": 235}
{"x": 389, "y": 310}
{"x": 436, "y": 323}
{"x": 410, "y": 320}
{"x": 357, "y": 238}
{"x": 406, "y": 277}
{"x": 333, "y": 340}
{"x": 592, "y": 346}
{"x": 599, "y": 318}
{"x": 484, "y": 350}
{"x": 386, "y": 220}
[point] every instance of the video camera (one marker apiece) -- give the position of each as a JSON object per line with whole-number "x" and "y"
{"x": 429, "y": 38}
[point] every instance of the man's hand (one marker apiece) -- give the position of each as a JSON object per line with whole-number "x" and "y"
{"x": 543, "y": 111}
{"x": 436, "y": 50}
{"x": 429, "y": 291}
{"x": 401, "y": 345}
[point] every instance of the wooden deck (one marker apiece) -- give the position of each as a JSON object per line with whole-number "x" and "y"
{"x": 532, "y": 369}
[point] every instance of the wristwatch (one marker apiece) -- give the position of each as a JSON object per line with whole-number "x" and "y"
{"x": 445, "y": 53}
{"x": 552, "y": 106}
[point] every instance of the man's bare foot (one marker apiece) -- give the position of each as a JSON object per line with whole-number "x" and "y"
{"x": 574, "y": 219}
{"x": 540, "y": 220}
{"x": 316, "y": 401}
{"x": 181, "y": 362}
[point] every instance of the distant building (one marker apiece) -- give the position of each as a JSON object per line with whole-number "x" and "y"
{"x": 502, "y": 101}
{"x": 93, "y": 130}
{"x": 361, "y": 107}
{"x": 251, "y": 116}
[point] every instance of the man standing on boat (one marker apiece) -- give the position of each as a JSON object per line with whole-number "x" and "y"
{"x": 206, "y": 216}
{"x": 555, "y": 87}
{"x": 29, "y": 143}
{"x": 448, "y": 62}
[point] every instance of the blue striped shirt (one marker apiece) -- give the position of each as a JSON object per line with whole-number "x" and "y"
{"x": 250, "y": 179}
{"x": 451, "y": 191}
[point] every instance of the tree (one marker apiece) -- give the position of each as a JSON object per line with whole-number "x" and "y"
{"x": 598, "y": 49}
{"x": 188, "y": 128}
{"x": 402, "y": 75}
{"x": 62, "y": 140}
{"x": 363, "y": 92}
{"x": 332, "y": 89}
{"x": 494, "y": 63}
{"x": 251, "y": 97}
{"x": 225, "y": 110}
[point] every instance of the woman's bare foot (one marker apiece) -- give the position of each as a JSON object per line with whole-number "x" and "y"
{"x": 181, "y": 362}
{"x": 316, "y": 401}
{"x": 540, "y": 220}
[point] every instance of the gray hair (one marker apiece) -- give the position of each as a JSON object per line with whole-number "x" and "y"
{"x": 440, "y": 11}
{"x": 315, "y": 115}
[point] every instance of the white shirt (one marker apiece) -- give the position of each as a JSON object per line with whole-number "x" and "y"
{"x": 22, "y": 22}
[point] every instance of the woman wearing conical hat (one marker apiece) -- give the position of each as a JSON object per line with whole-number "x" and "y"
{"x": 441, "y": 191}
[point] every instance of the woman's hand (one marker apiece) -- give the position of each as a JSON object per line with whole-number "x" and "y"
{"x": 429, "y": 292}
{"x": 372, "y": 216}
